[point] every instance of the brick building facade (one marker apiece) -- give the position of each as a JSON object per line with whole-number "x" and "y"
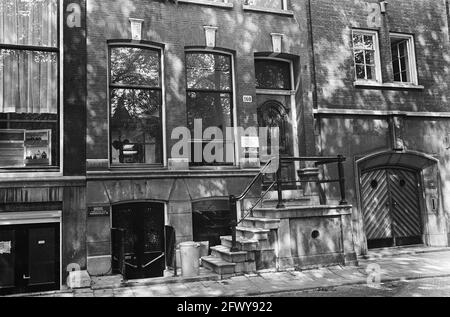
{"x": 363, "y": 79}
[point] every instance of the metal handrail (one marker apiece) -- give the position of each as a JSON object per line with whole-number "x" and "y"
{"x": 255, "y": 179}
{"x": 318, "y": 161}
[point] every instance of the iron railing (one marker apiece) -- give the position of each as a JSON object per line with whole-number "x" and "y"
{"x": 279, "y": 182}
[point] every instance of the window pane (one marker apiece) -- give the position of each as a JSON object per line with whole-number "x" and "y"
{"x": 28, "y": 82}
{"x": 30, "y": 22}
{"x": 359, "y": 57}
{"x": 370, "y": 70}
{"x": 135, "y": 66}
{"x": 136, "y": 130}
{"x": 213, "y": 108}
{"x": 272, "y": 74}
{"x": 358, "y": 41}
{"x": 370, "y": 57}
{"x": 273, "y": 4}
{"x": 360, "y": 72}
{"x": 368, "y": 42}
{"x": 208, "y": 71}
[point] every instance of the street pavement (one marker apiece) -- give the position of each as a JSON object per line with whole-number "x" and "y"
{"x": 376, "y": 276}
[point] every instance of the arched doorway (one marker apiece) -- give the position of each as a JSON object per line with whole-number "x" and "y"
{"x": 394, "y": 204}
{"x": 138, "y": 229}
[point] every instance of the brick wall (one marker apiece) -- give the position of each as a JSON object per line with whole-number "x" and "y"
{"x": 179, "y": 26}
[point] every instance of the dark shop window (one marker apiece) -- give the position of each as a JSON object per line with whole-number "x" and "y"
{"x": 272, "y": 74}
{"x": 136, "y": 105}
{"x": 210, "y": 98}
{"x": 29, "y": 84}
{"x": 211, "y": 220}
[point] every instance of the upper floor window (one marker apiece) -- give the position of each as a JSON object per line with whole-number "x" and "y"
{"x": 29, "y": 89}
{"x": 366, "y": 55}
{"x": 210, "y": 99}
{"x": 136, "y": 105}
{"x": 269, "y": 4}
{"x": 272, "y": 74}
{"x": 403, "y": 58}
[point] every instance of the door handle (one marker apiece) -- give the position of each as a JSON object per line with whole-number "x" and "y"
{"x": 26, "y": 277}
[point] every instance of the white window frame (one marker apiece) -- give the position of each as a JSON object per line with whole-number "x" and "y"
{"x": 412, "y": 65}
{"x": 283, "y": 11}
{"x": 234, "y": 99}
{"x": 378, "y": 78}
{"x": 144, "y": 45}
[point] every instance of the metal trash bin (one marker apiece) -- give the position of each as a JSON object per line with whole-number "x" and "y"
{"x": 190, "y": 256}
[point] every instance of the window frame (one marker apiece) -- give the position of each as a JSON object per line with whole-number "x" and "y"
{"x": 378, "y": 77}
{"x": 141, "y": 45}
{"x": 233, "y": 119}
{"x": 411, "y": 51}
{"x": 222, "y": 4}
{"x": 57, "y": 169}
{"x": 283, "y": 11}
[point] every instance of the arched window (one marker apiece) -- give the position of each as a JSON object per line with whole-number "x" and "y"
{"x": 136, "y": 105}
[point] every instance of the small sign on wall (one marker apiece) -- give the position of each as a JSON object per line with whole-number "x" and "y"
{"x": 247, "y": 99}
{"x": 136, "y": 29}
{"x": 5, "y": 247}
{"x": 98, "y": 211}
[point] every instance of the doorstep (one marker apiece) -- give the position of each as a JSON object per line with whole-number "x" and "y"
{"x": 375, "y": 254}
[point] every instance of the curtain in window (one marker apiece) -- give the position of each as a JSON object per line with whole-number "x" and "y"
{"x": 28, "y": 78}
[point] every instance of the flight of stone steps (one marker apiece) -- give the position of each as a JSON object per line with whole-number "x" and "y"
{"x": 256, "y": 237}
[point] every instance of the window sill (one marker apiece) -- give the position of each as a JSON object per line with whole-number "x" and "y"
{"x": 267, "y": 10}
{"x": 370, "y": 84}
{"x": 208, "y": 3}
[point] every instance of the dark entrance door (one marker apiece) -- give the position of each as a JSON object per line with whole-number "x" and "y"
{"x": 391, "y": 207}
{"x": 142, "y": 225}
{"x": 273, "y": 114}
{"x": 29, "y": 258}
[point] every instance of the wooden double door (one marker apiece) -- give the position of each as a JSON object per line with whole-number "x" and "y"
{"x": 29, "y": 258}
{"x": 391, "y": 207}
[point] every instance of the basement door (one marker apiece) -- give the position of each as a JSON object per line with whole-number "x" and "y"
{"x": 29, "y": 258}
{"x": 391, "y": 208}
{"x": 143, "y": 240}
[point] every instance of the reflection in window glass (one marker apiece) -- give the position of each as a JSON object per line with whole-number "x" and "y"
{"x": 400, "y": 60}
{"x": 136, "y": 105}
{"x": 135, "y": 66}
{"x": 364, "y": 50}
{"x": 209, "y": 95}
{"x": 271, "y": 74}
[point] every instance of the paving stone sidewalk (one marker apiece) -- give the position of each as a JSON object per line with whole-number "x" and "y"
{"x": 393, "y": 268}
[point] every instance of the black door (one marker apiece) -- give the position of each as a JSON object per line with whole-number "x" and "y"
{"x": 142, "y": 225}
{"x": 29, "y": 258}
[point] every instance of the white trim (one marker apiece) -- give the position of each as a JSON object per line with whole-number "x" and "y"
{"x": 124, "y": 43}
{"x": 223, "y": 4}
{"x": 380, "y": 113}
{"x": 284, "y": 11}
{"x": 234, "y": 94}
{"x": 411, "y": 56}
{"x": 393, "y": 85}
{"x": 29, "y": 217}
{"x": 378, "y": 76}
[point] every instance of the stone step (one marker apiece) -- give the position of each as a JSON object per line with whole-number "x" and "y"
{"x": 253, "y": 233}
{"x": 234, "y": 257}
{"x": 246, "y": 244}
{"x": 218, "y": 266}
{"x": 264, "y": 223}
{"x": 301, "y": 211}
{"x": 305, "y": 201}
{"x": 287, "y": 194}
